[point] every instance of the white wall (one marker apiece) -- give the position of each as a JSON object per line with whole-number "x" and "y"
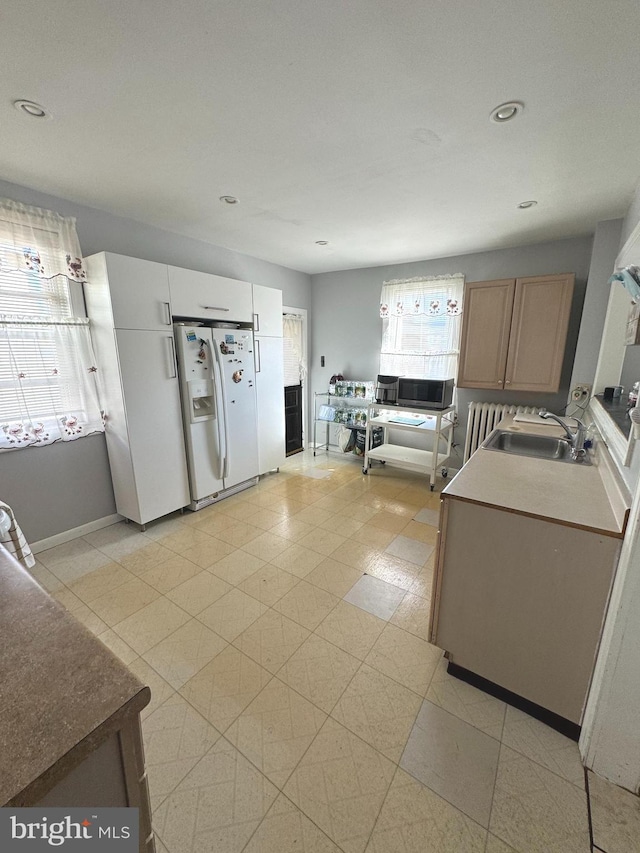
{"x": 61, "y": 486}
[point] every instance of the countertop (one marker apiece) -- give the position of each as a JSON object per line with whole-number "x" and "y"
{"x": 573, "y": 494}
{"x": 62, "y": 692}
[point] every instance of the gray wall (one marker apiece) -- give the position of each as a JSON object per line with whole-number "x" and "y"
{"x": 606, "y": 243}
{"x": 61, "y": 486}
{"x": 346, "y": 326}
{"x": 632, "y": 217}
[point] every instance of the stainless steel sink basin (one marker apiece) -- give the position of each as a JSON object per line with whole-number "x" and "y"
{"x": 525, "y": 444}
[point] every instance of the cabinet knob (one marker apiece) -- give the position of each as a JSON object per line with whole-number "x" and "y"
{"x": 508, "y": 382}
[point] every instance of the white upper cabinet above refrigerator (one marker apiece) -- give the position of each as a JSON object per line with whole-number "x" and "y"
{"x": 211, "y": 297}
{"x": 267, "y": 311}
{"x": 137, "y": 290}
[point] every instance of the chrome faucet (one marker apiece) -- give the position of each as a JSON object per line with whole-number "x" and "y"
{"x": 576, "y": 440}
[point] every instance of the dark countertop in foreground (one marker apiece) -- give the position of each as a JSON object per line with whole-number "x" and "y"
{"x": 62, "y": 692}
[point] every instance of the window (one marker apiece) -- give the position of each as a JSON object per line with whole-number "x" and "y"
{"x": 293, "y": 346}
{"x": 421, "y": 322}
{"x": 48, "y": 374}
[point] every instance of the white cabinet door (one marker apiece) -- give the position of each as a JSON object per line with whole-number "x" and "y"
{"x": 212, "y": 297}
{"x": 154, "y": 421}
{"x": 139, "y": 293}
{"x": 270, "y": 397}
{"x": 267, "y": 311}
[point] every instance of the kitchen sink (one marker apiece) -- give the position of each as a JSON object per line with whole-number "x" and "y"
{"x": 526, "y": 444}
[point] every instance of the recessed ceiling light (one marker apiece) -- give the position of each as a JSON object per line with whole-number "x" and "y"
{"x": 229, "y": 199}
{"x": 322, "y": 242}
{"x": 505, "y": 112}
{"x": 31, "y": 109}
{"x": 525, "y": 204}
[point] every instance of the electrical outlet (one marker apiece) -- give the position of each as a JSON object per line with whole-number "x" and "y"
{"x": 580, "y": 392}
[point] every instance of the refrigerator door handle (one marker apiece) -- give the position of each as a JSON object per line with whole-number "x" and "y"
{"x": 172, "y": 358}
{"x": 167, "y": 305}
{"x": 223, "y": 437}
{"x": 257, "y": 349}
{"x": 256, "y": 323}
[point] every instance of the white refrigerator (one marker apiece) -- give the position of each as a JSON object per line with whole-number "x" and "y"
{"x": 217, "y": 387}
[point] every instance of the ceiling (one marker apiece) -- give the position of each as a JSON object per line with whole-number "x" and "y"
{"x": 363, "y": 123}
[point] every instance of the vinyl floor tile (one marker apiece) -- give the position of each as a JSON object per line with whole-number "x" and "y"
{"x": 536, "y": 811}
{"x": 454, "y": 759}
{"x": 307, "y": 604}
{"x": 276, "y": 729}
{"x": 405, "y": 658}
{"x": 320, "y": 671}
{"x": 148, "y": 626}
{"x": 334, "y": 577}
{"x": 286, "y": 829}
{"x": 615, "y": 815}
{"x": 182, "y": 654}
{"x": 217, "y": 806}
{"x": 114, "y": 606}
{"x": 175, "y": 738}
{"x": 414, "y": 819}
{"x": 225, "y": 686}
{"x": 199, "y": 592}
{"x": 351, "y": 628}
{"x": 412, "y": 615}
{"x": 474, "y": 706}
{"x": 170, "y": 573}
{"x": 340, "y": 784}
{"x": 297, "y": 560}
{"x": 379, "y": 710}
{"x": 269, "y": 584}
{"x": 375, "y": 596}
{"x": 543, "y": 745}
{"x": 271, "y": 640}
{"x": 236, "y": 567}
{"x": 232, "y": 614}
{"x": 411, "y": 550}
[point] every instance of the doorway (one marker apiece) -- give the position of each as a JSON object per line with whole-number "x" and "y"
{"x": 293, "y": 419}
{"x": 295, "y": 371}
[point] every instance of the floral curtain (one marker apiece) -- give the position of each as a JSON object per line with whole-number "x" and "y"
{"x": 432, "y": 297}
{"x": 48, "y": 372}
{"x": 40, "y": 241}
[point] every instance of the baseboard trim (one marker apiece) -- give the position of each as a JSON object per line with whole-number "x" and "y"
{"x": 75, "y": 533}
{"x": 554, "y": 721}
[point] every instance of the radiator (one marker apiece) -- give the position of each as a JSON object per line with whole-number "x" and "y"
{"x": 483, "y": 419}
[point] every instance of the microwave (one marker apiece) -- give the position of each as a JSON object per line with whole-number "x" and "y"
{"x": 425, "y": 393}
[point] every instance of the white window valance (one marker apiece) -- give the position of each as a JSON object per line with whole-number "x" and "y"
{"x": 433, "y": 296}
{"x": 38, "y": 241}
{"x": 48, "y": 372}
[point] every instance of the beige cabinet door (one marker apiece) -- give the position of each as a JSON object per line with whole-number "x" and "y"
{"x": 541, "y": 310}
{"x": 486, "y": 320}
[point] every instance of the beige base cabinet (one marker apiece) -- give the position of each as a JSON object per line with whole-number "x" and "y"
{"x": 521, "y": 601}
{"x": 514, "y": 333}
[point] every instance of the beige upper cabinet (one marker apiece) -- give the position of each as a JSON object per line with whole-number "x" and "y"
{"x": 514, "y": 333}
{"x": 541, "y": 310}
{"x": 484, "y": 343}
